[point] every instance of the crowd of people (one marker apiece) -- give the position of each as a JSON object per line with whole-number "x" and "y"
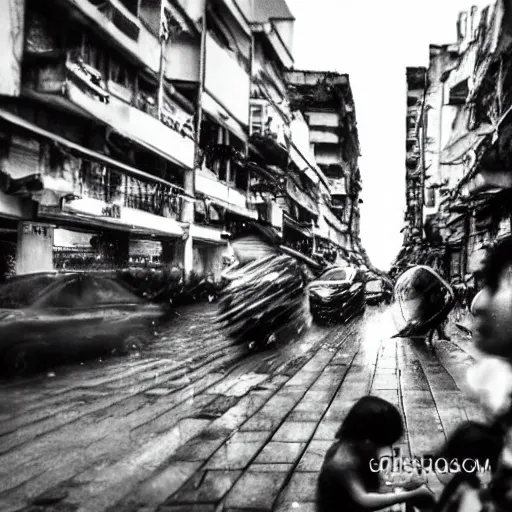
{"x": 347, "y": 482}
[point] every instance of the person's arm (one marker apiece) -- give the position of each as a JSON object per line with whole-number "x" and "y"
{"x": 350, "y": 480}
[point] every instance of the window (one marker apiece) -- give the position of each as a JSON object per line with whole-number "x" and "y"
{"x": 85, "y": 292}
{"x": 257, "y": 119}
{"x": 334, "y": 275}
{"x": 94, "y": 55}
{"x": 121, "y": 78}
{"x": 20, "y": 292}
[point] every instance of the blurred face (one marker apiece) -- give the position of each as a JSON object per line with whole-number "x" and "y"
{"x": 492, "y": 324}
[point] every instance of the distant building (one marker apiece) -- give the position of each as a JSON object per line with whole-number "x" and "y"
{"x": 467, "y": 178}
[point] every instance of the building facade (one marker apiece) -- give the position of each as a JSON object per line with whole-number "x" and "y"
{"x": 467, "y": 177}
{"x": 146, "y": 132}
{"x": 325, "y": 101}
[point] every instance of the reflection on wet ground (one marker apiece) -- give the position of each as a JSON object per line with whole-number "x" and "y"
{"x": 193, "y": 419}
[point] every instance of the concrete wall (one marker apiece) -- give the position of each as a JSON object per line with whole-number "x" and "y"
{"x": 35, "y": 248}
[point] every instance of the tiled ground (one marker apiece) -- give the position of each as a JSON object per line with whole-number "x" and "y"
{"x": 206, "y": 429}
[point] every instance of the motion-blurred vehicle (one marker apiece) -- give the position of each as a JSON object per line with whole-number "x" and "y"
{"x": 376, "y": 291}
{"x": 337, "y": 295}
{"x": 263, "y": 300}
{"x": 423, "y": 300}
{"x": 51, "y": 318}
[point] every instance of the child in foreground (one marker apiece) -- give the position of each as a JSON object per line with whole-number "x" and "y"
{"x": 346, "y": 481}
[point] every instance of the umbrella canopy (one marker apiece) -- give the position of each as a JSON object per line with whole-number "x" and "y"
{"x": 423, "y": 300}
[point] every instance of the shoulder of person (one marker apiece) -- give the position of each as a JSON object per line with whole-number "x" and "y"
{"x": 341, "y": 456}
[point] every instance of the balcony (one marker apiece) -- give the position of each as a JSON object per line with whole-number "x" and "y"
{"x": 111, "y": 19}
{"x": 74, "y": 183}
{"x": 232, "y": 199}
{"x": 323, "y": 119}
{"x": 411, "y": 133}
{"x": 323, "y": 137}
{"x": 81, "y": 88}
{"x": 269, "y": 132}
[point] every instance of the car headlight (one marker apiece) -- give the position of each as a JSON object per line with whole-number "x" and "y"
{"x": 323, "y": 292}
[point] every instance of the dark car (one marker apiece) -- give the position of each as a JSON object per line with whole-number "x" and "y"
{"x": 337, "y": 295}
{"x": 47, "y": 319}
{"x": 377, "y": 291}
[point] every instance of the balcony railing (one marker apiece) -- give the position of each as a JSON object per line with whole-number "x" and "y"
{"x": 105, "y": 183}
{"x": 122, "y": 27}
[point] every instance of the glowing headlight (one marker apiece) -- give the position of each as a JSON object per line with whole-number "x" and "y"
{"x": 323, "y": 292}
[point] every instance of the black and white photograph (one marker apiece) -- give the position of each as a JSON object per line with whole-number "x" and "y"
{"x": 255, "y": 256}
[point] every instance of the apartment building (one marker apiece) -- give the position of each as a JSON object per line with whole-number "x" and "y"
{"x": 147, "y": 132}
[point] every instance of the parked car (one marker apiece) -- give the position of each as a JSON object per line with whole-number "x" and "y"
{"x": 51, "y": 318}
{"x": 377, "y": 291}
{"x": 337, "y": 295}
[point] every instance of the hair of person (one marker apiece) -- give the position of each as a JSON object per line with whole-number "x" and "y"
{"x": 498, "y": 258}
{"x": 475, "y": 441}
{"x": 372, "y": 419}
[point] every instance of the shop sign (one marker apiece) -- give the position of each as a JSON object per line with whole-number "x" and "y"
{"x": 31, "y": 228}
{"x": 112, "y": 211}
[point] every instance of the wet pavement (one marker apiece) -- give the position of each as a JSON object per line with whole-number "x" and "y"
{"x": 194, "y": 424}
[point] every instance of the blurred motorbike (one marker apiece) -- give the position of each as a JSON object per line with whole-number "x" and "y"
{"x": 265, "y": 299}
{"x": 423, "y": 300}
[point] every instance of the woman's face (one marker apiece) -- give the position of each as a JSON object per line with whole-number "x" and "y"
{"x": 492, "y": 311}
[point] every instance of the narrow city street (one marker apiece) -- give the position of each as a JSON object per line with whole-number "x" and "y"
{"x": 194, "y": 424}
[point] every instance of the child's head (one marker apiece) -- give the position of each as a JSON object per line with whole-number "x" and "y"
{"x": 475, "y": 443}
{"x": 492, "y": 307}
{"x": 372, "y": 419}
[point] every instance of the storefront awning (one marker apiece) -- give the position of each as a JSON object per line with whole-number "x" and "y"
{"x": 92, "y": 213}
{"x": 127, "y": 217}
{"x": 207, "y": 234}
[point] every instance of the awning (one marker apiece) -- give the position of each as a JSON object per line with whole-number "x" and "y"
{"x": 221, "y": 116}
{"x": 464, "y": 140}
{"x": 130, "y": 171}
{"x": 93, "y": 212}
{"x": 293, "y": 224}
{"x": 487, "y": 181}
{"x": 207, "y": 234}
{"x": 243, "y": 212}
{"x": 301, "y": 198}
